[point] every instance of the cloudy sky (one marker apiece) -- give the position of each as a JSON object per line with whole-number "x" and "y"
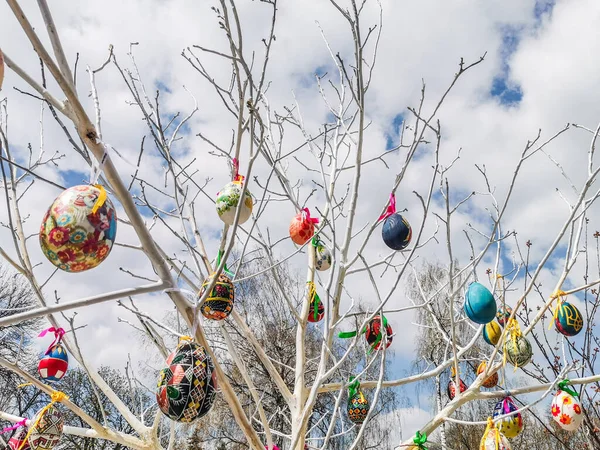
{"x": 540, "y": 72}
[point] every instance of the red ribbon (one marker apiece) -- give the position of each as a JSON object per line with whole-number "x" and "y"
{"x": 20, "y": 424}
{"x": 391, "y": 209}
{"x": 306, "y": 214}
{"x": 58, "y": 335}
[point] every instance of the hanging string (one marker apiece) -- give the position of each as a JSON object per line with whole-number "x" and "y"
{"x": 420, "y": 440}
{"x": 563, "y": 386}
{"x": 559, "y": 296}
{"x": 391, "y": 209}
{"x": 19, "y": 424}
{"x": 55, "y": 397}
{"x": 58, "y": 335}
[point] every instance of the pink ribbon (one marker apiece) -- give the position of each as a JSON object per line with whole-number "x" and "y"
{"x": 58, "y": 335}
{"x": 236, "y": 170}
{"x": 306, "y": 214}
{"x": 391, "y": 209}
{"x": 20, "y": 424}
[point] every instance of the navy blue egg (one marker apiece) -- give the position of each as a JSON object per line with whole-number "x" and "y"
{"x": 480, "y": 305}
{"x": 396, "y": 232}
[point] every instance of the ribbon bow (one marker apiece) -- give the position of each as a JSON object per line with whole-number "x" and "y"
{"x": 19, "y": 424}
{"x": 563, "y": 387}
{"x": 354, "y": 387}
{"x": 420, "y": 440}
{"x": 306, "y": 216}
{"x": 391, "y": 209}
{"x": 237, "y": 178}
{"x": 58, "y": 335}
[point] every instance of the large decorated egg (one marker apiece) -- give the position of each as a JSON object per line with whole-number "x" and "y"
{"x": 17, "y": 442}
{"x": 480, "y": 305}
{"x": 490, "y": 381}
{"x": 452, "y": 388}
{"x": 503, "y": 314}
{"x": 358, "y": 407}
{"x": 302, "y": 228}
{"x": 512, "y": 425}
{"x": 494, "y": 440}
{"x": 46, "y": 433}
{"x": 568, "y": 319}
{"x": 396, "y": 232}
{"x": 492, "y": 333}
{"x": 227, "y": 202}
{"x": 322, "y": 257}
{"x": 54, "y": 364}
{"x": 566, "y": 411}
{"x": 373, "y": 333}
{"x": 316, "y": 311}
{"x": 187, "y": 386}
{"x": 79, "y": 228}
{"x": 219, "y": 303}
{"x": 518, "y": 351}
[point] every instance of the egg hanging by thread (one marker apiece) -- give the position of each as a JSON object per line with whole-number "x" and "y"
{"x": 512, "y": 425}
{"x": 322, "y": 257}
{"x": 503, "y": 314}
{"x": 518, "y": 351}
{"x": 480, "y": 305}
{"x": 492, "y": 380}
{"x": 566, "y": 411}
{"x": 358, "y": 407}
{"x": 228, "y": 199}
{"x": 54, "y": 364}
{"x": 374, "y": 335}
{"x": 219, "y": 303}
{"x": 47, "y": 431}
{"x": 396, "y": 232}
{"x": 569, "y": 321}
{"x": 492, "y": 333}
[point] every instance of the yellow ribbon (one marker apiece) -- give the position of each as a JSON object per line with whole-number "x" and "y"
{"x": 514, "y": 330}
{"x": 185, "y": 338}
{"x": 312, "y": 290}
{"x": 101, "y": 198}
{"x": 490, "y": 427}
{"x": 55, "y": 397}
{"x": 557, "y": 295}
{"x": 24, "y": 385}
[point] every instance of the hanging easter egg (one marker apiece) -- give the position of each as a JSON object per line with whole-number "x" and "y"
{"x": 490, "y": 381}
{"x": 54, "y": 364}
{"x": 316, "y": 311}
{"x": 480, "y": 305}
{"x": 494, "y": 440}
{"x": 396, "y": 232}
{"x": 18, "y": 441}
{"x": 187, "y": 386}
{"x": 228, "y": 199}
{"x": 566, "y": 411}
{"x": 358, "y": 406}
{"x": 302, "y": 227}
{"x": 512, "y": 425}
{"x": 79, "y": 228}
{"x": 452, "y": 388}
{"x": 492, "y": 333}
{"x": 518, "y": 351}
{"x": 219, "y": 303}
{"x": 322, "y": 257}
{"x": 47, "y": 429}
{"x": 374, "y": 335}
{"x": 503, "y": 314}
{"x": 568, "y": 319}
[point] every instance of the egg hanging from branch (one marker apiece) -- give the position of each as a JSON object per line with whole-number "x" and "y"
{"x": 512, "y": 425}
{"x": 480, "y": 305}
{"x": 219, "y": 303}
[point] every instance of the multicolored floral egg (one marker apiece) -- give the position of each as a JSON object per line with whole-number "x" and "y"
{"x": 568, "y": 319}
{"x": 79, "y": 228}
{"x": 227, "y": 202}
{"x": 373, "y": 333}
{"x": 452, "y": 388}
{"x": 46, "y": 433}
{"x": 518, "y": 351}
{"x": 480, "y": 305}
{"x": 494, "y": 440}
{"x": 358, "y": 407}
{"x": 490, "y": 381}
{"x": 512, "y": 425}
{"x": 219, "y": 303}
{"x": 492, "y": 333}
{"x": 396, "y": 232}
{"x": 316, "y": 311}
{"x": 566, "y": 411}
{"x": 322, "y": 257}
{"x": 54, "y": 364}
{"x": 17, "y": 442}
{"x": 302, "y": 227}
{"x": 503, "y": 314}
{"x": 187, "y": 386}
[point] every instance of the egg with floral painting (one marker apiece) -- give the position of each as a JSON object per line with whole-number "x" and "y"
{"x": 228, "y": 199}
{"x": 374, "y": 334}
{"x": 48, "y": 429}
{"x": 79, "y": 229}
{"x": 567, "y": 411}
{"x": 322, "y": 257}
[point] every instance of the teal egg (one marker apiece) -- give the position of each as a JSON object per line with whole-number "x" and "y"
{"x": 480, "y": 305}
{"x": 568, "y": 319}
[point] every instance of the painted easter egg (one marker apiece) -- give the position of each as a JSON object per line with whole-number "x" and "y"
{"x": 566, "y": 411}
{"x": 187, "y": 386}
{"x": 503, "y": 314}
{"x": 358, "y": 407}
{"x": 568, "y": 319}
{"x": 374, "y": 335}
{"x": 47, "y": 432}
{"x": 227, "y": 202}
{"x": 512, "y": 425}
{"x": 316, "y": 311}
{"x": 219, "y": 303}
{"x": 452, "y": 388}
{"x": 79, "y": 228}
{"x": 494, "y": 440}
{"x": 302, "y": 228}
{"x": 17, "y": 442}
{"x": 518, "y": 351}
{"x": 490, "y": 381}
{"x": 396, "y": 232}
{"x": 322, "y": 257}
{"x": 54, "y": 364}
{"x": 480, "y": 305}
{"x": 492, "y": 333}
